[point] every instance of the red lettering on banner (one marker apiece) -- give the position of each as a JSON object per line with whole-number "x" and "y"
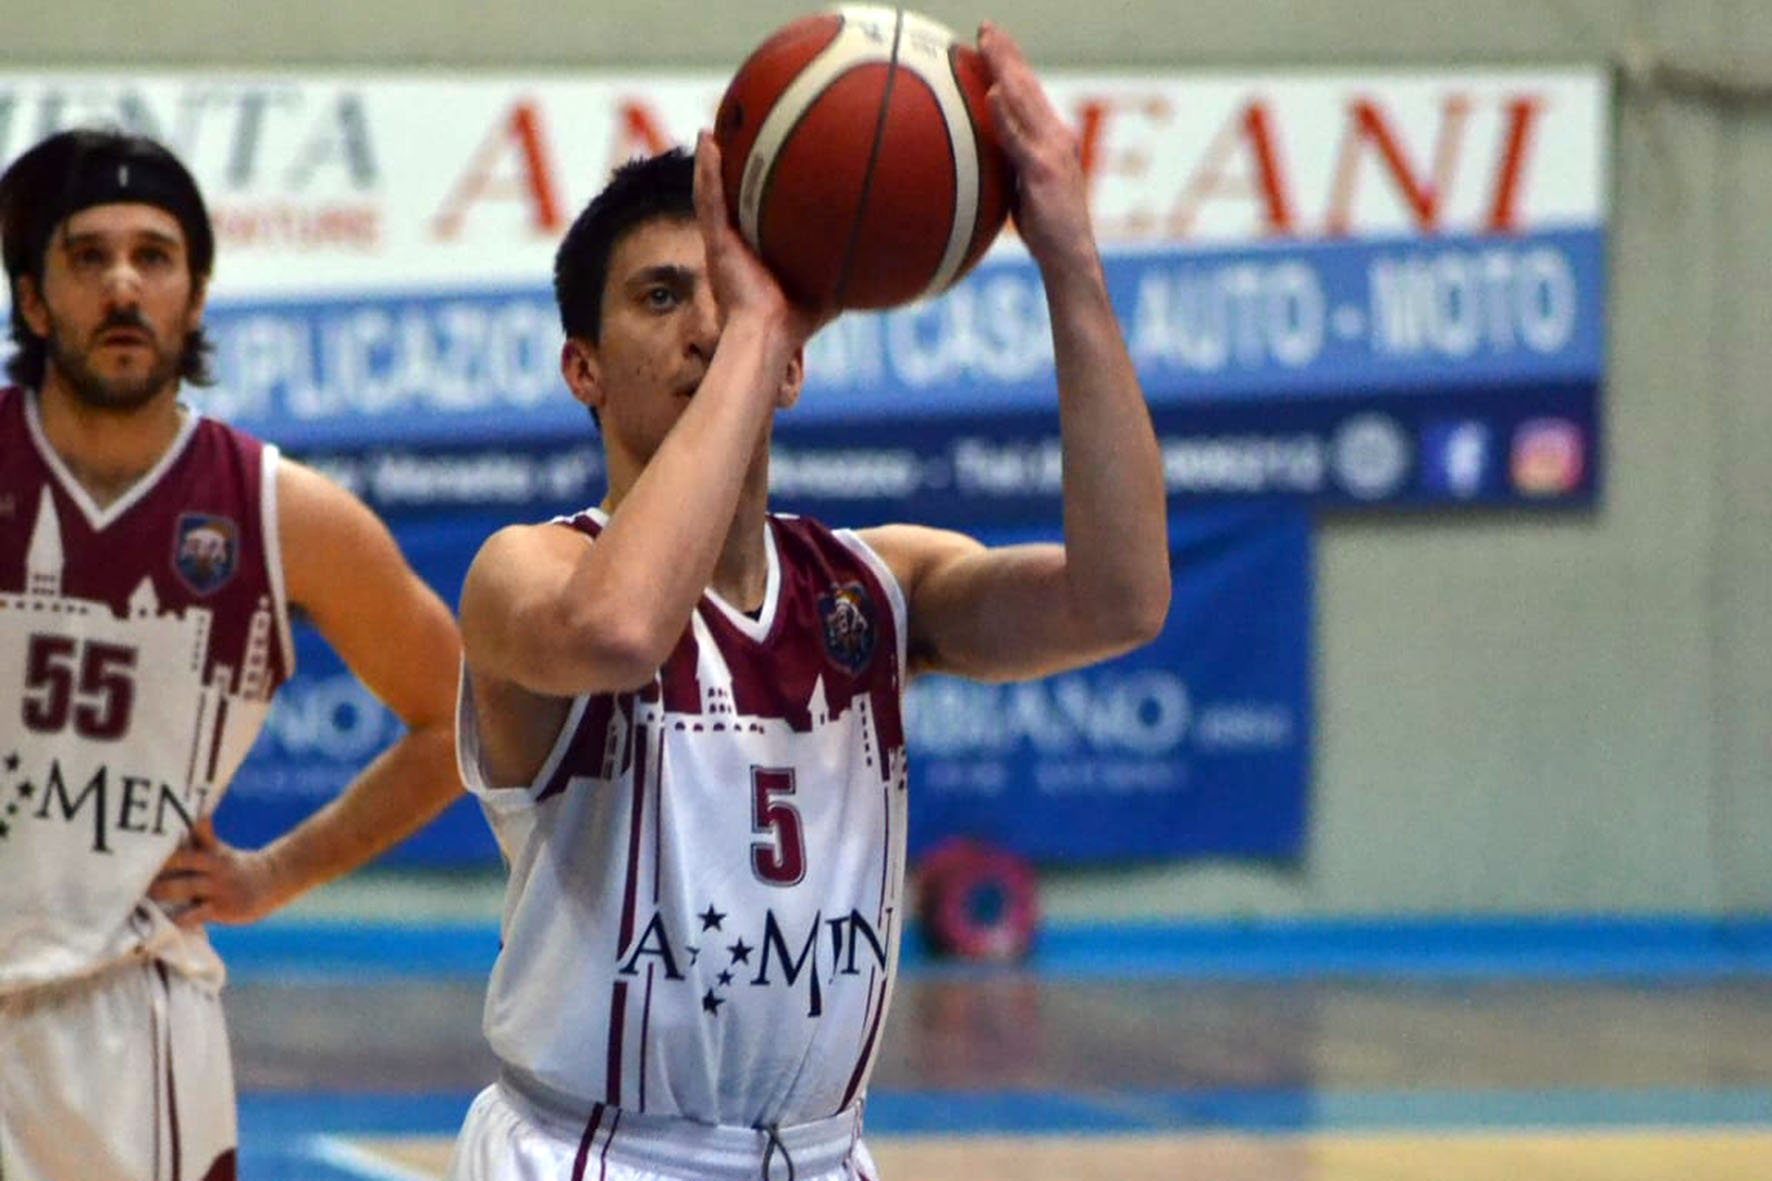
{"x": 1093, "y": 117}
{"x": 1504, "y": 214}
{"x": 639, "y": 132}
{"x": 286, "y": 225}
{"x": 1421, "y": 195}
{"x": 520, "y": 132}
{"x": 1092, "y": 114}
{"x": 1250, "y": 130}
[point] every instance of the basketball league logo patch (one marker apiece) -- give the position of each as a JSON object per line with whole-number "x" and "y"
{"x": 849, "y": 631}
{"x": 205, "y": 551}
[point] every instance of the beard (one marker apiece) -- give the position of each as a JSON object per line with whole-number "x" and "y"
{"x": 116, "y": 394}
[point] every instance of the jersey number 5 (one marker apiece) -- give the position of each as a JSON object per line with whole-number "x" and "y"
{"x": 781, "y": 860}
{"x": 91, "y": 684}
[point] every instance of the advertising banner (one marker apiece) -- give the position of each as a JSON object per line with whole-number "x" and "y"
{"x": 1198, "y": 743}
{"x": 1398, "y": 276}
{"x": 324, "y": 726}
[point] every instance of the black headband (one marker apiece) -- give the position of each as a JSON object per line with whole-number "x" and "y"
{"x": 75, "y": 170}
{"x": 103, "y": 178}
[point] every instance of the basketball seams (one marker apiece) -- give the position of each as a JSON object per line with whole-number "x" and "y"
{"x": 962, "y": 139}
{"x": 847, "y": 265}
{"x": 842, "y": 182}
{"x": 848, "y": 49}
{"x": 934, "y": 49}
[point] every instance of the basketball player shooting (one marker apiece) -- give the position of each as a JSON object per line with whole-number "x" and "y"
{"x": 682, "y": 713}
{"x": 149, "y": 559}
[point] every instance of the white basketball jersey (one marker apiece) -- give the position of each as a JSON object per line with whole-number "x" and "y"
{"x": 139, "y": 647}
{"x": 704, "y": 907}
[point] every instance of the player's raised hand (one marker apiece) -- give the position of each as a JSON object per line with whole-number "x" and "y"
{"x": 1052, "y": 202}
{"x": 741, "y": 283}
{"x": 208, "y": 881}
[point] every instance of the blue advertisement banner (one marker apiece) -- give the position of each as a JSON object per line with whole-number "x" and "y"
{"x": 1534, "y": 445}
{"x": 1416, "y": 370}
{"x": 1198, "y": 743}
{"x": 324, "y": 726}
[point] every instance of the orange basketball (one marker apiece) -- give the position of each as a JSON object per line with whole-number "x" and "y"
{"x": 859, "y": 158}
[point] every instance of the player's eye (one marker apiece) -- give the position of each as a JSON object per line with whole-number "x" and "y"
{"x": 661, "y": 298}
{"x": 86, "y": 258}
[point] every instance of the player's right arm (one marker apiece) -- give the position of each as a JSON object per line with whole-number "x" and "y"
{"x": 542, "y": 610}
{"x": 546, "y": 613}
{"x": 516, "y": 600}
{"x": 556, "y": 615}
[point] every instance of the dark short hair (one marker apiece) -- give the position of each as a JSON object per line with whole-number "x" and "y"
{"x": 74, "y": 170}
{"x": 642, "y": 190}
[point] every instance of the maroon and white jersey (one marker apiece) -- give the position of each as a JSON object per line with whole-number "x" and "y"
{"x": 140, "y": 644}
{"x": 704, "y": 907}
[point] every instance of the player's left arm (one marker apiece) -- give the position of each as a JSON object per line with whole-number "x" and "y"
{"x": 1025, "y": 611}
{"x": 342, "y": 568}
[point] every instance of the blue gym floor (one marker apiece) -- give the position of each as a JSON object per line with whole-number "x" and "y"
{"x": 1271, "y": 1051}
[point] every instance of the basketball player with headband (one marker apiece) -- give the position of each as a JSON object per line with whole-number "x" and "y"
{"x": 149, "y": 561}
{"x": 681, "y": 713}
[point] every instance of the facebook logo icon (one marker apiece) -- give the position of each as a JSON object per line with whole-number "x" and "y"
{"x": 1455, "y": 458}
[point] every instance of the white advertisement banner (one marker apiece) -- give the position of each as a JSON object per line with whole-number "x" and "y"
{"x": 325, "y": 184}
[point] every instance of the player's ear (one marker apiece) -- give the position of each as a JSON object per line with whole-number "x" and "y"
{"x": 578, "y": 365}
{"x": 199, "y": 297}
{"x": 30, "y": 305}
{"x": 792, "y": 380}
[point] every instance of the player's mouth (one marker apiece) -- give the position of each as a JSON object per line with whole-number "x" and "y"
{"x": 125, "y": 338}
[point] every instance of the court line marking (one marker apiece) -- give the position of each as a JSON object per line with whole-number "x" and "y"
{"x": 1062, "y": 1112}
{"x": 1552, "y": 948}
{"x": 340, "y": 1154}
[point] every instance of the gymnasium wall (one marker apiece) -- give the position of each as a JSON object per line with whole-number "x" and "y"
{"x": 1516, "y": 713}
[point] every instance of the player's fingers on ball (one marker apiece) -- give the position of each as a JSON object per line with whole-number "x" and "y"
{"x": 1025, "y": 123}
{"x": 999, "y": 48}
{"x": 1009, "y": 122}
{"x": 989, "y": 48}
{"x": 1041, "y": 148}
{"x": 707, "y": 151}
{"x": 1027, "y": 101}
{"x": 1022, "y": 90}
{"x": 1032, "y": 153}
{"x": 1008, "y": 66}
{"x": 708, "y": 196}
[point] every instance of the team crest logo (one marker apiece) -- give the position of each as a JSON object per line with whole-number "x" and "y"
{"x": 848, "y": 616}
{"x": 206, "y": 551}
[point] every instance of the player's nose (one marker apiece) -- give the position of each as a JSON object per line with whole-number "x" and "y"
{"x": 705, "y": 322}
{"x": 122, "y": 285}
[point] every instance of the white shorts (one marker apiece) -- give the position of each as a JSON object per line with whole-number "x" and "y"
{"x": 507, "y": 1138}
{"x": 125, "y": 1077}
